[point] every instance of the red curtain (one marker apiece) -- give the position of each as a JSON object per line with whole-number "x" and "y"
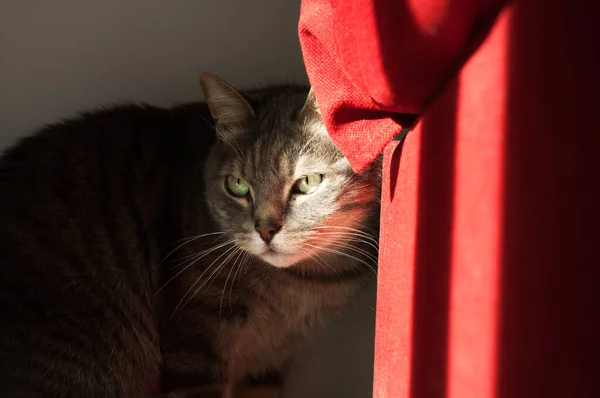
{"x": 489, "y": 277}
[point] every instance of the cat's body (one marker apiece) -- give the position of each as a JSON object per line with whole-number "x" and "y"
{"x": 104, "y": 294}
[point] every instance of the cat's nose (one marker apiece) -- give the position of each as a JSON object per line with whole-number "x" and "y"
{"x": 267, "y": 229}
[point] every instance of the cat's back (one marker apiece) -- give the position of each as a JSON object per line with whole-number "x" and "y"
{"x": 100, "y": 140}
{"x": 85, "y": 189}
{"x": 79, "y": 202}
{"x": 89, "y": 157}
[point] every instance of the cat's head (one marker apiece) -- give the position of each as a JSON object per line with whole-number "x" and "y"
{"x": 276, "y": 181}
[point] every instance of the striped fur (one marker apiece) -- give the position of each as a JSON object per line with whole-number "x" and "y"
{"x": 128, "y": 270}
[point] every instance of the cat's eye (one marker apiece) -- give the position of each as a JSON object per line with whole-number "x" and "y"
{"x": 237, "y": 187}
{"x": 308, "y": 184}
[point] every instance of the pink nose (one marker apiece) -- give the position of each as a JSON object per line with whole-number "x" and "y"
{"x": 267, "y": 230}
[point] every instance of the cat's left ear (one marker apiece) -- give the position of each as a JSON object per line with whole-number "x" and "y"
{"x": 228, "y": 108}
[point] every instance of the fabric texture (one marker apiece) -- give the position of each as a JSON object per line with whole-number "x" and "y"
{"x": 488, "y": 268}
{"x": 375, "y": 65}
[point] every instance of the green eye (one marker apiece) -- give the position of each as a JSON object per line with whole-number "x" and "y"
{"x": 237, "y": 186}
{"x": 308, "y": 184}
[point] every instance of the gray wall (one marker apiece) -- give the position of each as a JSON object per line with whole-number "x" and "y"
{"x": 61, "y": 56}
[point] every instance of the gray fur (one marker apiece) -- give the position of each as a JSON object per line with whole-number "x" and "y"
{"x": 128, "y": 269}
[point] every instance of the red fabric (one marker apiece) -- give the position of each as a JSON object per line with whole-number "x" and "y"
{"x": 489, "y": 276}
{"x": 372, "y": 64}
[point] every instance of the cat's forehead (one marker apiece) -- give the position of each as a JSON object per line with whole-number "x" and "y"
{"x": 283, "y": 144}
{"x": 276, "y": 156}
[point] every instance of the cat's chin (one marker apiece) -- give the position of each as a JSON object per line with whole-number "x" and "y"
{"x": 280, "y": 260}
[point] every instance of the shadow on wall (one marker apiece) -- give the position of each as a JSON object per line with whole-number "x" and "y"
{"x": 340, "y": 362}
{"x": 65, "y": 55}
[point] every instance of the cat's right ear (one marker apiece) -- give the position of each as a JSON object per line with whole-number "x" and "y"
{"x": 228, "y": 108}
{"x": 311, "y": 110}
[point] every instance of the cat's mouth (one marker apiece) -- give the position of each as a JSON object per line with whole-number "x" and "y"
{"x": 271, "y": 252}
{"x": 277, "y": 254}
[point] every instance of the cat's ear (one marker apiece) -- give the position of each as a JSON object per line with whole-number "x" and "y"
{"x": 310, "y": 110}
{"x": 227, "y": 107}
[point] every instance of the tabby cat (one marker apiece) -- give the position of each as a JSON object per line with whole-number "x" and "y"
{"x": 182, "y": 252}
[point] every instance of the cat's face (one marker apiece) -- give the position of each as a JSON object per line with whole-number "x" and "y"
{"x": 277, "y": 183}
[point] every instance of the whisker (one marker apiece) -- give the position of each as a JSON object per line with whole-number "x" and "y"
{"x": 211, "y": 279}
{"x": 239, "y": 254}
{"x": 356, "y": 249}
{"x": 330, "y": 250}
{"x": 236, "y": 148}
{"x": 181, "y": 303}
{"x": 315, "y": 134}
{"x": 358, "y": 231}
{"x": 189, "y": 240}
{"x": 245, "y": 257}
{"x": 183, "y": 259}
{"x": 199, "y": 256}
{"x": 315, "y": 256}
{"x": 198, "y": 280}
{"x": 364, "y": 229}
{"x": 346, "y": 230}
{"x": 350, "y": 237}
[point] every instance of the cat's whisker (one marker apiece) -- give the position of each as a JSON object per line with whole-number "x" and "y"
{"x": 183, "y": 300}
{"x": 319, "y": 260}
{"x": 358, "y": 231}
{"x": 215, "y": 128}
{"x": 186, "y": 241}
{"x": 244, "y": 258}
{"x": 312, "y": 137}
{"x": 341, "y": 253}
{"x": 239, "y": 253}
{"x": 215, "y": 274}
{"x": 350, "y": 237}
{"x": 184, "y": 259}
{"x": 371, "y": 240}
{"x": 364, "y": 229}
{"x": 236, "y": 149}
{"x": 189, "y": 240}
{"x": 181, "y": 303}
{"x": 349, "y": 246}
{"x": 211, "y": 278}
{"x": 203, "y": 235}
{"x": 345, "y": 228}
{"x": 196, "y": 259}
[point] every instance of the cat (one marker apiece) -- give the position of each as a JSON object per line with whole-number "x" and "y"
{"x": 180, "y": 252}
